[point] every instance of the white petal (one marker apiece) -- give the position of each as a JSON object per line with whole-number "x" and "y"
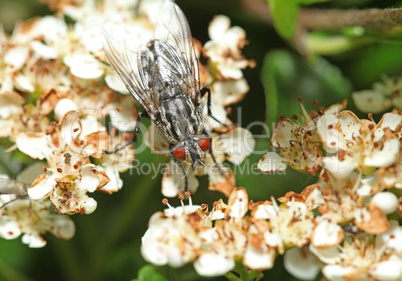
{"x": 115, "y": 183}
{"x": 265, "y": 211}
{"x": 326, "y": 234}
{"x": 92, "y": 38}
{"x": 85, "y": 67}
{"x": 392, "y": 238}
{"x": 273, "y": 239}
{"x": 326, "y": 127}
{"x": 70, "y": 129}
{"x": 91, "y": 125}
{"x": 326, "y": 255}
{"x": 237, "y": 203}
{"x": 42, "y": 188}
{"x": 339, "y": 273}
{"x": 10, "y": 104}
{"x": 213, "y": 264}
{"x": 179, "y": 211}
{"x": 237, "y": 144}
{"x": 123, "y": 114}
{"x": 34, "y": 240}
{"x": 217, "y": 28}
{"x": 301, "y": 263}
{"x": 390, "y": 120}
{"x": 173, "y": 181}
{"x": 349, "y": 125}
{"x": 397, "y": 102}
{"x": 35, "y": 145}
{"x": 367, "y": 185}
{"x": 114, "y": 82}
{"x": 230, "y": 92}
{"x": 371, "y": 101}
{"x": 44, "y": 51}
{"x": 385, "y": 157}
{"x": 63, "y": 106}
{"x": 16, "y": 57}
{"x": 218, "y": 112}
{"x": 9, "y": 229}
{"x": 271, "y": 162}
{"x": 256, "y": 259}
{"x": 387, "y": 270}
{"x": 89, "y": 179}
{"x": 386, "y": 201}
{"x": 90, "y": 206}
{"x": 52, "y": 28}
{"x": 63, "y": 227}
{"x": 340, "y": 169}
{"x": 23, "y": 83}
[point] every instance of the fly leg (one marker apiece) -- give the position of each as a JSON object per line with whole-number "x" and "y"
{"x": 182, "y": 167}
{"x": 203, "y": 92}
{"x": 136, "y": 130}
{"x": 11, "y": 201}
{"x": 205, "y": 132}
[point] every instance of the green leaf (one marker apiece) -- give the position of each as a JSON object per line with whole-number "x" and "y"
{"x": 309, "y": 2}
{"x": 286, "y": 76}
{"x": 148, "y": 273}
{"x": 284, "y": 14}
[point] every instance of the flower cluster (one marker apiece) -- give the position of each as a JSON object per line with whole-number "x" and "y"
{"x": 384, "y": 95}
{"x": 338, "y": 226}
{"x": 366, "y": 245}
{"x": 57, "y": 91}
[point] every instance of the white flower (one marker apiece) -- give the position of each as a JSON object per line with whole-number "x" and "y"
{"x": 360, "y": 143}
{"x": 84, "y": 66}
{"x": 213, "y": 264}
{"x": 382, "y": 96}
{"x": 359, "y": 259}
{"x": 169, "y": 241}
{"x": 386, "y": 201}
{"x": 33, "y": 219}
{"x": 224, "y": 47}
{"x": 301, "y": 263}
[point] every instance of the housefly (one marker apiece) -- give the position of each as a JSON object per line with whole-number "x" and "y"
{"x": 12, "y": 187}
{"x": 163, "y": 76}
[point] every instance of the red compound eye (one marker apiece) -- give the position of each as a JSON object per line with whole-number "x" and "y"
{"x": 180, "y": 153}
{"x": 204, "y": 144}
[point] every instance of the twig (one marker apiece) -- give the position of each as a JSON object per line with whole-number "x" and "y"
{"x": 314, "y": 19}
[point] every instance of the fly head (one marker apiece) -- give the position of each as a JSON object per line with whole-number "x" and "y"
{"x": 192, "y": 151}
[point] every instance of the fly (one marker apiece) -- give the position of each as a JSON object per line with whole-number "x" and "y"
{"x": 163, "y": 77}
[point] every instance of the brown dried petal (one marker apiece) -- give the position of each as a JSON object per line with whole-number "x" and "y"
{"x": 377, "y": 223}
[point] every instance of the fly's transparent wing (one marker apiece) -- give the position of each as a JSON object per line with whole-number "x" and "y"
{"x": 124, "y": 60}
{"x": 10, "y": 186}
{"x": 172, "y": 29}
{"x": 161, "y": 65}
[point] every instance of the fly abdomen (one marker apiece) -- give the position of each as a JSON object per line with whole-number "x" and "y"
{"x": 180, "y": 119}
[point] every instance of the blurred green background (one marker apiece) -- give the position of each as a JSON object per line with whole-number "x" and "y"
{"x": 107, "y": 243}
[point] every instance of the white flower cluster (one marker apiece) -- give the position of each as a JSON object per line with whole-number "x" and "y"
{"x": 318, "y": 229}
{"x": 57, "y": 89}
{"x": 55, "y": 93}
{"x": 358, "y": 161}
{"x": 338, "y": 226}
{"x": 384, "y": 95}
